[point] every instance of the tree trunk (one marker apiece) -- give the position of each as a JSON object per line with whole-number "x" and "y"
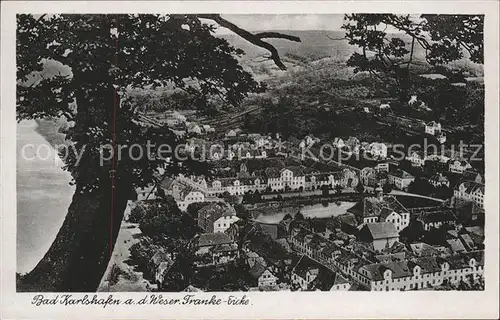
{"x": 79, "y": 255}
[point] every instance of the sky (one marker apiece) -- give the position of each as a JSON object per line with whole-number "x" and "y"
{"x": 284, "y": 21}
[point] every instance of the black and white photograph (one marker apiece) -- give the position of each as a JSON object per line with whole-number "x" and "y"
{"x": 226, "y": 152}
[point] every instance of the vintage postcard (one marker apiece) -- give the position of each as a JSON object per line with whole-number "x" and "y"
{"x": 249, "y": 159}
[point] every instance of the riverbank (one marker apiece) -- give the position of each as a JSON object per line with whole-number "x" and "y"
{"x": 43, "y": 194}
{"x": 119, "y": 276}
{"x": 51, "y": 129}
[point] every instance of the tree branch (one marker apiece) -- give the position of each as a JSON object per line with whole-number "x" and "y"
{"x": 37, "y": 21}
{"x": 256, "y": 39}
{"x": 411, "y": 53}
{"x": 276, "y": 35}
{"x": 343, "y": 38}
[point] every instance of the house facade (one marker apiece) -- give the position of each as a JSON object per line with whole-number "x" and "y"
{"x": 438, "y": 180}
{"x": 263, "y": 275}
{"x": 417, "y": 158}
{"x": 433, "y": 128}
{"x": 188, "y": 197}
{"x": 214, "y": 249}
{"x": 470, "y": 191}
{"x": 434, "y": 270}
{"x": 377, "y": 149}
{"x": 458, "y": 166}
{"x": 381, "y": 235}
{"x": 146, "y": 193}
{"x": 211, "y": 213}
{"x": 224, "y": 222}
{"x": 424, "y": 272}
{"x": 400, "y": 179}
{"x": 381, "y": 209}
{"x": 353, "y": 144}
{"x": 436, "y": 219}
{"x": 338, "y": 143}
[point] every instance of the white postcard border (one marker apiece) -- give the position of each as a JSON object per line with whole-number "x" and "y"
{"x": 430, "y": 304}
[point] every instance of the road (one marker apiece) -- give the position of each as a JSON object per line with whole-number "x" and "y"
{"x": 346, "y": 191}
{"x": 128, "y": 280}
{"x": 402, "y": 193}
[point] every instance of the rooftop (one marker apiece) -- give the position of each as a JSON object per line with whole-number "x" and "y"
{"x": 382, "y": 230}
{"x": 213, "y": 239}
{"x": 401, "y": 174}
{"x": 471, "y": 186}
{"x": 372, "y": 206}
{"x": 257, "y": 270}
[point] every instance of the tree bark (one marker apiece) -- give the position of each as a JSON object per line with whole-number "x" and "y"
{"x": 79, "y": 255}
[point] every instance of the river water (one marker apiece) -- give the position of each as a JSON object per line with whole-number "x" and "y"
{"x": 318, "y": 210}
{"x": 43, "y": 196}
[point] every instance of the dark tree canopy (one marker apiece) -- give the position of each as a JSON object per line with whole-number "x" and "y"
{"x": 98, "y": 60}
{"x": 108, "y": 55}
{"x": 389, "y": 55}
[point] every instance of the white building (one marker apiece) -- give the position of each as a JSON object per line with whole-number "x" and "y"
{"x": 293, "y": 177}
{"x": 424, "y": 272}
{"x": 309, "y": 274}
{"x": 175, "y": 118}
{"x": 439, "y": 180}
{"x": 382, "y": 167}
{"x": 417, "y": 158}
{"x": 187, "y": 196}
{"x": 433, "y": 128}
{"x": 263, "y": 276}
{"x": 146, "y": 193}
{"x": 458, "y": 166}
{"x": 399, "y": 220}
{"x": 208, "y": 128}
{"x": 194, "y": 128}
{"x": 224, "y": 222}
{"x": 470, "y": 191}
{"x": 441, "y": 137}
{"x": 309, "y": 140}
{"x": 338, "y": 143}
{"x": 381, "y": 209}
{"x": 353, "y": 144}
{"x": 400, "y": 179}
{"x": 378, "y": 149}
{"x": 233, "y": 132}
{"x": 403, "y": 275}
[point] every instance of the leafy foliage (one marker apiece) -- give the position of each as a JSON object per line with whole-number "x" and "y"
{"x": 107, "y": 55}
{"x": 387, "y": 188}
{"x": 136, "y": 214}
{"x": 388, "y": 56}
{"x": 163, "y": 218}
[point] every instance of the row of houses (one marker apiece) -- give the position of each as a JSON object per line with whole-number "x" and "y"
{"x": 187, "y": 190}
{"x": 354, "y": 146}
{"x": 455, "y": 165}
{"x": 470, "y": 191}
{"x": 214, "y": 249}
{"x": 382, "y": 173}
{"x": 216, "y": 217}
{"x": 434, "y": 128}
{"x": 381, "y": 209}
{"x": 292, "y": 178}
{"x": 410, "y": 273}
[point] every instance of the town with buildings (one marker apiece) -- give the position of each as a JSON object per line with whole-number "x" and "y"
{"x": 332, "y": 179}
{"x": 176, "y": 161}
{"x": 268, "y": 216}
